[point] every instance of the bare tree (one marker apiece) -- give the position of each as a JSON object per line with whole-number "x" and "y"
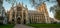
{"x": 36, "y": 3}
{"x": 58, "y": 2}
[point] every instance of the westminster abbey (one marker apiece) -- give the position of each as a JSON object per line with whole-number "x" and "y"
{"x": 20, "y": 14}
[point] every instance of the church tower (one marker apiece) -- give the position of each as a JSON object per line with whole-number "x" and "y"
{"x": 42, "y": 8}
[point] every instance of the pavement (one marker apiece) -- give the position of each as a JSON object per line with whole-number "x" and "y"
{"x": 22, "y": 26}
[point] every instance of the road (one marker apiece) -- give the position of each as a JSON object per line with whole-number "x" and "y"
{"x": 22, "y": 26}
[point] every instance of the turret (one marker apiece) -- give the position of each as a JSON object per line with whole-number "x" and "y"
{"x": 22, "y": 3}
{"x": 26, "y": 6}
{"x": 16, "y": 3}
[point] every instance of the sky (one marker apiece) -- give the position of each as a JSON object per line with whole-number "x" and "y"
{"x": 7, "y": 6}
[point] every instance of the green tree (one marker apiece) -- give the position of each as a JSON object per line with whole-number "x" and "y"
{"x": 57, "y": 14}
{"x": 11, "y": 1}
{"x": 36, "y": 3}
{"x": 58, "y": 2}
{"x": 56, "y": 10}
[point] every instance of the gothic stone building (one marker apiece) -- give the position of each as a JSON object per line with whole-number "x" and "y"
{"x": 20, "y": 14}
{"x": 40, "y": 15}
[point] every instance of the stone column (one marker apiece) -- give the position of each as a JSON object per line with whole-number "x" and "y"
{"x": 45, "y": 17}
{"x": 15, "y": 17}
{"x": 34, "y": 19}
{"x": 31, "y": 18}
{"x": 22, "y": 18}
{"x": 37, "y": 18}
{"x": 27, "y": 20}
{"x": 40, "y": 18}
{"x": 49, "y": 20}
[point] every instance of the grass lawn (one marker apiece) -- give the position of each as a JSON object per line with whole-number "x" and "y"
{"x": 7, "y": 26}
{"x": 45, "y": 25}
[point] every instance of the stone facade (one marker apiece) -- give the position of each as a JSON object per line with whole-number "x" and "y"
{"x": 18, "y": 14}
{"x": 36, "y": 17}
{"x": 21, "y": 15}
{"x": 40, "y": 15}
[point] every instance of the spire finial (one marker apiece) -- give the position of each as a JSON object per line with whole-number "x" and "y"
{"x": 22, "y": 3}
{"x": 12, "y": 4}
{"x": 26, "y": 6}
{"x": 16, "y": 3}
{"x": 19, "y": 3}
{"x": 43, "y": 3}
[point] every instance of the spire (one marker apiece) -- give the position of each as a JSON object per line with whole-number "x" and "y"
{"x": 19, "y": 3}
{"x": 22, "y": 3}
{"x": 44, "y": 3}
{"x": 26, "y": 6}
{"x": 16, "y": 3}
{"x": 13, "y": 5}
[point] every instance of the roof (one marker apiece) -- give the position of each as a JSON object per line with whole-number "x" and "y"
{"x": 34, "y": 12}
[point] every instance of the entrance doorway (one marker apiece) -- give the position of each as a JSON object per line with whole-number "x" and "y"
{"x": 18, "y": 21}
{"x": 24, "y": 21}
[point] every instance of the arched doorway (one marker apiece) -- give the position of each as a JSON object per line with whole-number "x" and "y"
{"x": 24, "y": 21}
{"x": 18, "y": 20}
